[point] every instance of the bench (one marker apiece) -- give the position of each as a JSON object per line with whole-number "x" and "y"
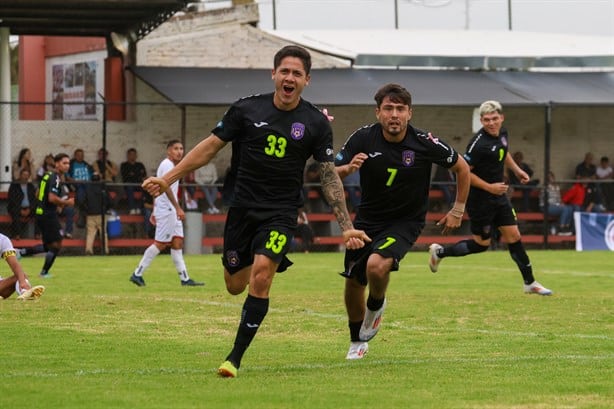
{"x": 318, "y": 217}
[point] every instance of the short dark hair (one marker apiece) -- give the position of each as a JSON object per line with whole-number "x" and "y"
{"x": 172, "y": 142}
{"x": 131, "y": 150}
{"x": 395, "y": 93}
{"x": 60, "y": 156}
{"x": 293, "y": 51}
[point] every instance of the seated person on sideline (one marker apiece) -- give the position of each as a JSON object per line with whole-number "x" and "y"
{"x": 605, "y": 172}
{"x": 22, "y": 200}
{"x": 18, "y": 282}
{"x": 556, "y": 207}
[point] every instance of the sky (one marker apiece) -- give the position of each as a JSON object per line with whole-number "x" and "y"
{"x": 587, "y": 17}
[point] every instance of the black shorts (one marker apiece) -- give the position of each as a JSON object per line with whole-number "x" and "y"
{"x": 258, "y": 231}
{"x": 50, "y": 228}
{"x": 489, "y": 214}
{"x": 390, "y": 240}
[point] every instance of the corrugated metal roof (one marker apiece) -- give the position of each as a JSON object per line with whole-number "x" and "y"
{"x": 222, "y": 86}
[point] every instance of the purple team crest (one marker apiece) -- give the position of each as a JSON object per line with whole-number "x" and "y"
{"x": 504, "y": 140}
{"x": 409, "y": 158}
{"x": 232, "y": 257}
{"x": 297, "y": 131}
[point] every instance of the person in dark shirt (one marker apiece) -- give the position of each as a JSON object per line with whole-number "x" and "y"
{"x": 49, "y": 202}
{"x": 488, "y": 205}
{"x": 133, "y": 173}
{"x": 95, "y": 205}
{"x": 22, "y": 199}
{"x": 395, "y": 161}
{"x": 272, "y": 136}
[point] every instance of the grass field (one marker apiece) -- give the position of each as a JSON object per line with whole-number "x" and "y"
{"x": 466, "y": 337}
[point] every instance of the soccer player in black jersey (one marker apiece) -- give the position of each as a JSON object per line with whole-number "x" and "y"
{"x": 50, "y": 198}
{"x": 488, "y": 205}
{"x": 272, "y": 136}
{"x": 395, "y": 161}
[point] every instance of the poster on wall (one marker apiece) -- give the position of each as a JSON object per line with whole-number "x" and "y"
{"x": 74, "y": 90}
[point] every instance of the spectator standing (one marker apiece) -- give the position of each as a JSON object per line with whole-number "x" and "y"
{"x": 21, "y": 203}
{"x": 133, "y": 173}
{"x": 95, "y": 205}
{"x": 23, "y": 161}
{"x": 79, "y": 174}
{"x": 206, "y": 176}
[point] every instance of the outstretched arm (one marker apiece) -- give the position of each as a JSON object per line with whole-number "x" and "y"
{"x": 199, "y": 156}
{"x": 335, "y": 196}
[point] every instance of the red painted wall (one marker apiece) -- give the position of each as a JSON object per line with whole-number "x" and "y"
{"x": 34, "y": 50}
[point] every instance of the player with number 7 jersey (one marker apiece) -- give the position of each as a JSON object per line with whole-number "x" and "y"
{"x": 394, "y": 160}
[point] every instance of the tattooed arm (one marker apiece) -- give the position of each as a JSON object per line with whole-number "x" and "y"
{"x": 335, "y": 196}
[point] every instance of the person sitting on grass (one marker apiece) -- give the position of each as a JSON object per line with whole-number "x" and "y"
{"x": 18, "y": 282}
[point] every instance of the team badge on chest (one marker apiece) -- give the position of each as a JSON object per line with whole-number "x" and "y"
{"x": 297, "y": 131}
{"x": 409, "y": 158}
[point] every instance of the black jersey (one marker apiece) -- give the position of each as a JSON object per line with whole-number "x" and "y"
{"x": 270, "y": 148}
{"x": 396, "y": 177}
{"x": 50, "y": 182}
{"x": 486, "y": 155}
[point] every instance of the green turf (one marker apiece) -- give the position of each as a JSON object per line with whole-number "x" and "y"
{"x": 466, "y": 337}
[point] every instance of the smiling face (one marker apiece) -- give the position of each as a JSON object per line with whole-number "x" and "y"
{"x": 290, "y": 79}
{"x": 394, "y": 117}
{"x": 492, "y": 122}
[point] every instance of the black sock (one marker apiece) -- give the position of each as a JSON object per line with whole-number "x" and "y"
{"x": 28, "y": 251}
{"x": 519, "y": 255}
{"x": 254, "y": 311}
{"x": 49, "y": 259}
{"x": 462, "y": 248}
{"x": 354, "y": 330}
{"x": 374, "y": 304}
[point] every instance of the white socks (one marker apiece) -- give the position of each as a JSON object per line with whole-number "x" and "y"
{"x": 177, "y": 256}
{"x": 151, "y": 252}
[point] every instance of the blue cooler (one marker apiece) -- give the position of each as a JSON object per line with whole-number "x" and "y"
{"x": 114, "y": 225}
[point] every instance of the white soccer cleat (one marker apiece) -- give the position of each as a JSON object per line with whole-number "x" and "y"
{"x": 357, "y": 350}
{"x": 33, "y": 293}
{"x": 536, "y": 288}
{"x": 434, "y": 259}
{"x": 371, "y": 323}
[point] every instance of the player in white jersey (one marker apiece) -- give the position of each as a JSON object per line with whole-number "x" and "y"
{"x": 18, "y": 281}
{"x": 168, "y": 218}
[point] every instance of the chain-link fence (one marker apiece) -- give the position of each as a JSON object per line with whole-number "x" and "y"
{"x": 91, "y": 128}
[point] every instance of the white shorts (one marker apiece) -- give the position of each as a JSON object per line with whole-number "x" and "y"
{"x": 167, "y": 227}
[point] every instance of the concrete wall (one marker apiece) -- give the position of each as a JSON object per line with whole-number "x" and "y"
{"x": 575, "y": 131}
{"x": 227, "y": 38}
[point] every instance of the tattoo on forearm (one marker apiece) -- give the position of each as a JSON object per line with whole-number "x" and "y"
{"x": 334, "y": 194}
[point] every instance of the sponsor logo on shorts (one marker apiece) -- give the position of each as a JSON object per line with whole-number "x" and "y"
{"x": 232, "y": 257}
